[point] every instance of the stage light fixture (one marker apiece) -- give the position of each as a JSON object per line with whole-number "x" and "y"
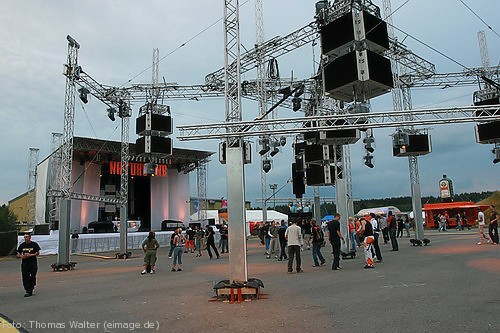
{"x": 296, "y": 103}
{"x": 265, "y": 146}
{"x": 368, "y": 160}
{"x": 368, "y": 143}
{"x": 84, "y": 94}
{"x": 282, "y": 141}
{"x": 496, "y": 151}
{"x": 123, "y": 109}
{"x": 274, "y": 151}
{"x": 266, "y": 165}
{"x": 111, "y": 113}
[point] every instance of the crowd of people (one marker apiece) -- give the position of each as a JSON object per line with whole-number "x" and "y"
{"x": 286, "y": 241}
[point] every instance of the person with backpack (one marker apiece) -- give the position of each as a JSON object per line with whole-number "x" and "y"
{"x": 149, "y": 246}
{"x": 318, "y": 239}
{"x": 180, "y": 243}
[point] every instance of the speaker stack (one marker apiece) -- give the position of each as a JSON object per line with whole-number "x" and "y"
{"x": 154, "y": 126}
{"x": 353, "y": 46}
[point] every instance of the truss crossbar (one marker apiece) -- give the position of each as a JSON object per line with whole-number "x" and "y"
{"x": 416, "y": 117}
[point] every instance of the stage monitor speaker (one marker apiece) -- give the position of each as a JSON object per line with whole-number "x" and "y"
{"x": 154, "y": 124}
{"x": 418, "y": 144}
{"x": 298, "y": 186}
{"x": 488, "y": 132}
{"x": 358, "y": 73}
{"x": 247, "y": 152}
{"x": 319, "y": 175}
{"x": 153, "y": 145}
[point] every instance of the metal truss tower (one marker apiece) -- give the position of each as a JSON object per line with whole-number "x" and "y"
{"x": 71, "y": 72}
{"x": 54, "y": 179}
{"x": 201, "y": 182}
{"x": 401, "y": 97}
{"x": 234, "y": 152}
{"x": 31, "y": 191}
{"x": 261, "y": 91}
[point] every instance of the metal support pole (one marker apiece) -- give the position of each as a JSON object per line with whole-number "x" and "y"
{"x": 416, "y": 197}
{"x": 63, "y": 251}
{"x": 236, "y": 213}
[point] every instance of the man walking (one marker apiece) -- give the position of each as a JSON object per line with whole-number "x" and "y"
{"x": 335, "y": 236}
{"x": 493, "y": 225}
{"x": 376, "y": 230}
{"x": 282, "y": 239}
{"x": 293, "y": 236}
{"x": 28, "y": 251}
{"x": 391, "y": 221}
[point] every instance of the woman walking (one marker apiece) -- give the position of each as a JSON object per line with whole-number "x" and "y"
{"x": 179, "y": 242}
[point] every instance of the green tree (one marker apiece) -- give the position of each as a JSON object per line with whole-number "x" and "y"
{"x": 7, "y": 219}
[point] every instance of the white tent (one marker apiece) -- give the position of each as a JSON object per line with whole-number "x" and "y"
{"x": 378, "y": 210}
{"x": 251, "y": 216}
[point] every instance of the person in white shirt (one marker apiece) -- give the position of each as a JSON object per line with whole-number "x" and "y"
{"x": 293, "y": 236}
{"x": 481, "y": 222}
{"x": 376, "y": 230}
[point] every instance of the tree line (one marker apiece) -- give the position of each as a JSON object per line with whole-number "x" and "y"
{"x": 403, "y": 203}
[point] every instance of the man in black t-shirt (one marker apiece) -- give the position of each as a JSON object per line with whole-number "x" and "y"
{"x": 335, "y": 236}
{"x": 28, "y": 251}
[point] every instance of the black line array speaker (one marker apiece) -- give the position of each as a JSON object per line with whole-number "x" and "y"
{"x": 318, "y": 153}
{"x": 338, "y": 36}
{"x": 340, "y": 137}
{"x": 358, "y": 73}
{"x": 153, "y": 124}
{"x": 319, "y": 175}
{"x": 153, "y": 145}
{"x": 298, "y": 186}
{"x": 418, "y": 144}
{"x": 488, "y": 132}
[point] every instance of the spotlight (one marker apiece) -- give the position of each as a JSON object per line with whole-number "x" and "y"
{"x": 111, "y": 113}
{"x": 266, "y": 165}
{"x": 368, "y": 141}
{"x": 282, "y": 141}
{"x": 296, "y": 103}
{"x": 265, "y": 146}
{"x": 368, "y": 160}
{"x": 123, "y": 109}
{"x": 84, "y": 94}
{"x": 274, "y": 151}
{"x": 496, "y": 151}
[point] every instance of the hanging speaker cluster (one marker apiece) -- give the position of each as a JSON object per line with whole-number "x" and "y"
{"x": 154, "y": 126}
{"x": 353, "y": 47}
{"x": 316, "y": 164}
